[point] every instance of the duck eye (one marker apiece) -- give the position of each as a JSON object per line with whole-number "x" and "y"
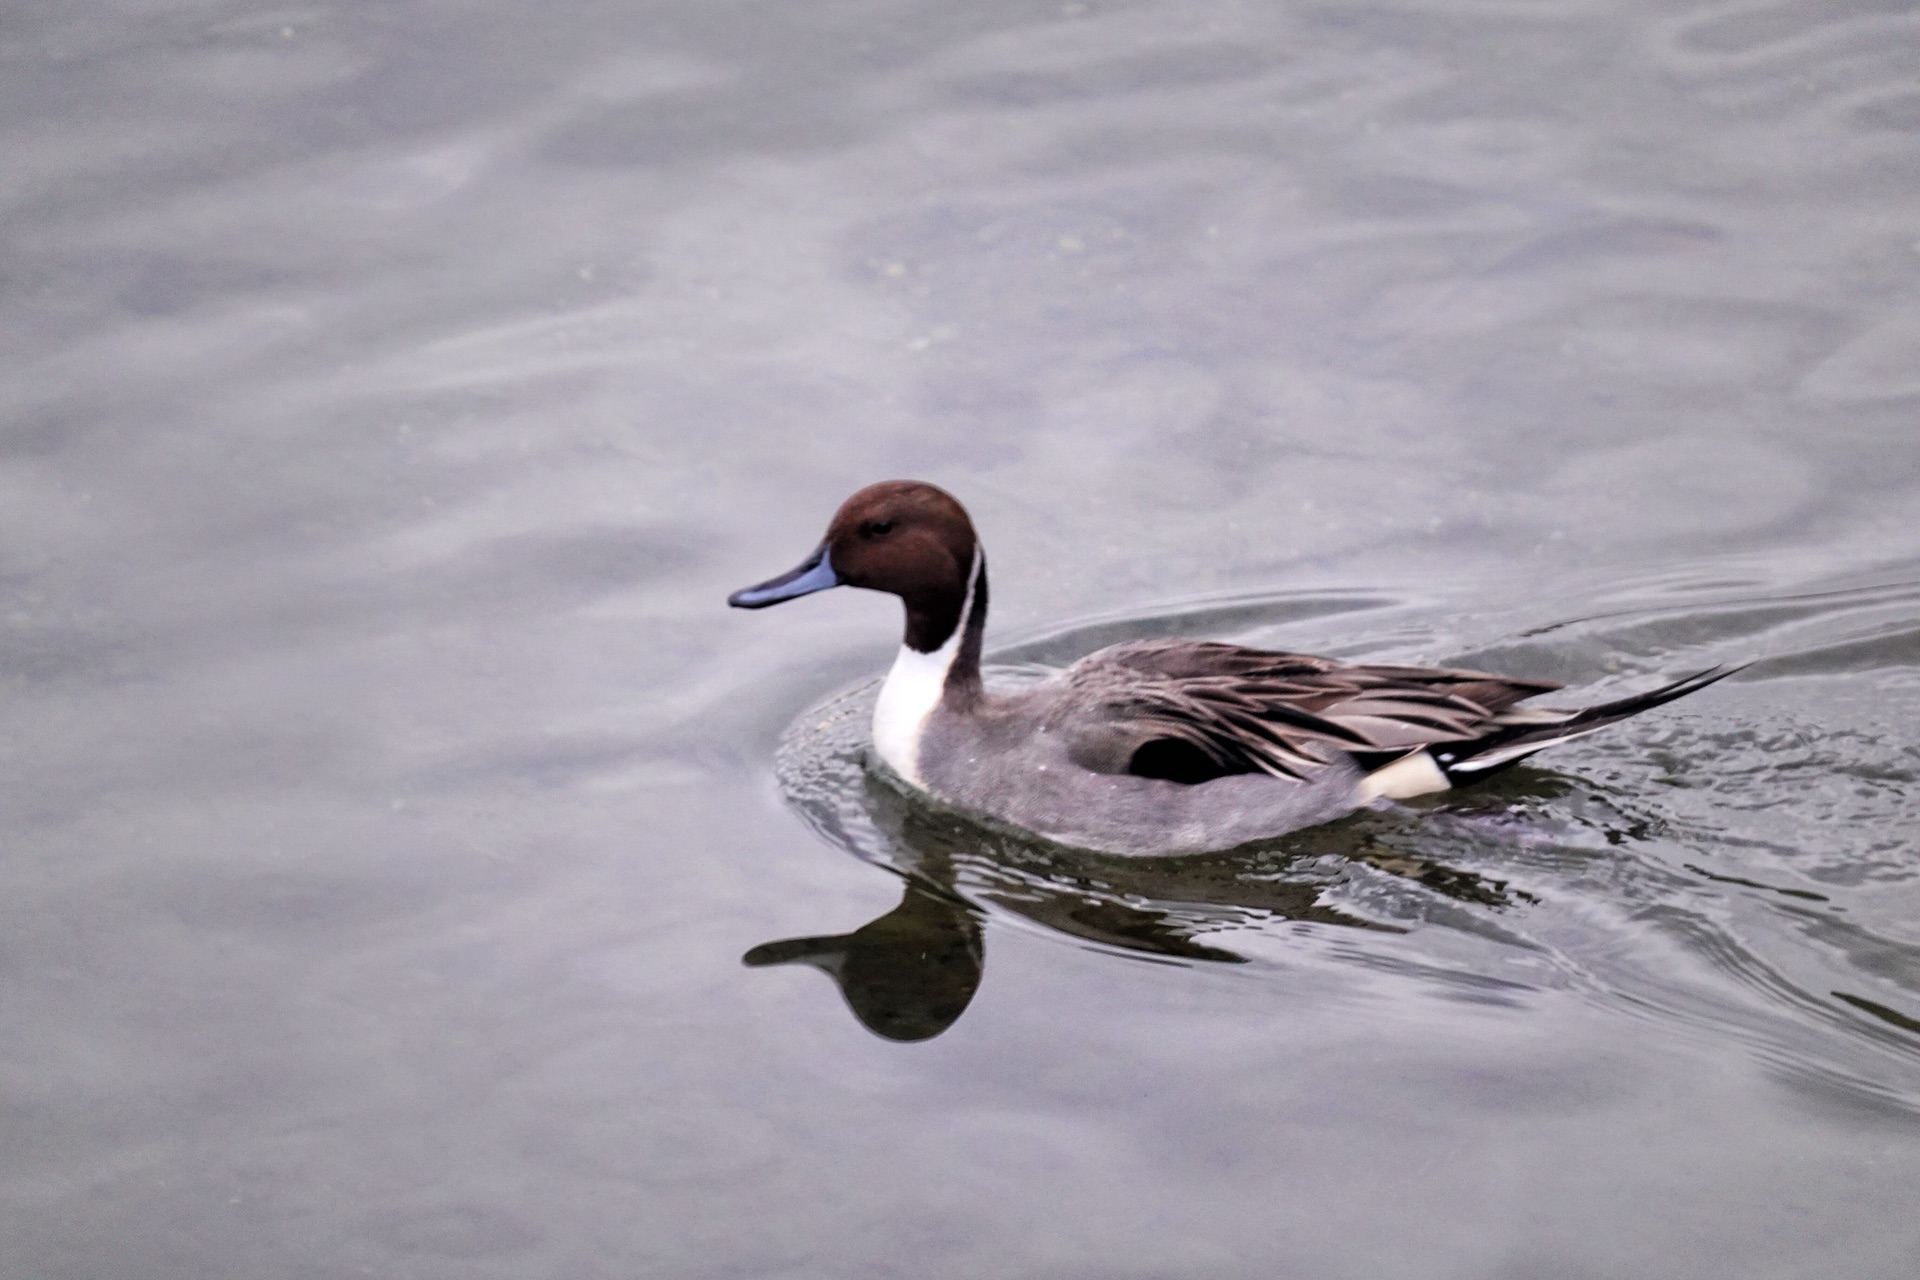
{"x": 875, "y": 528}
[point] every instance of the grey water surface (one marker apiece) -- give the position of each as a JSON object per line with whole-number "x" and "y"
{"x": 393, "y": 393}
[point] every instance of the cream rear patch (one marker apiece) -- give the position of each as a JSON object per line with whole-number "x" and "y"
{"x": 1409, "y": 776}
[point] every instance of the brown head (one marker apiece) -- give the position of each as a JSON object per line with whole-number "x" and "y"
{"x": 900, "y": 536}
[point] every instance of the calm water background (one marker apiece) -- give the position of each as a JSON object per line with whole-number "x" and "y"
{"x": 392, "y": 394}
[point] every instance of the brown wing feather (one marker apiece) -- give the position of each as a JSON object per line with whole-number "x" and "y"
{"x": 1254, "y": 710}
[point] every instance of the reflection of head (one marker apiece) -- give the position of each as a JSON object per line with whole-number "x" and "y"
{"x": 908, "y": 975}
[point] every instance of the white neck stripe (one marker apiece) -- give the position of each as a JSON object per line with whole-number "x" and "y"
{"x": 914, "y": 688}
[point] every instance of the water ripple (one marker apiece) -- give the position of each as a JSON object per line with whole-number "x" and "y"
{"x": 1722, "y": 871}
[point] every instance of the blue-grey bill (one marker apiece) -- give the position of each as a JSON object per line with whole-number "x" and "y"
{"x": 814, "y": 574}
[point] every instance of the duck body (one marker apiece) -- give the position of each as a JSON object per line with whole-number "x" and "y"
{"x": 1163, "y": 746}
{"x": 1021, "y": 757}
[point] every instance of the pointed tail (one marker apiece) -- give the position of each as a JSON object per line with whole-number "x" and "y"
{"x": 1472, "y": 760}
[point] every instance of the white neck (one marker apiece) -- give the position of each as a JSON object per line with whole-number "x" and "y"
{"x": 913, "y": 689}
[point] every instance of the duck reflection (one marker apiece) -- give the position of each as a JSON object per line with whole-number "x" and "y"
{"x": 909, "y": 974}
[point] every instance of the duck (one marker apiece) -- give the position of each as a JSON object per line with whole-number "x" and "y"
{"x": 1163, "y": 746}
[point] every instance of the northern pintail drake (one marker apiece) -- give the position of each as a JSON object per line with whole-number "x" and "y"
{"x": 1155, "y": 746}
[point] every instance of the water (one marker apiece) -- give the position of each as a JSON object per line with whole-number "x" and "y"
{"x": 393, "y": 396}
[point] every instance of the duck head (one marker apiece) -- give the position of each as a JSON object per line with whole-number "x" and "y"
{"x": 904, "y": 537}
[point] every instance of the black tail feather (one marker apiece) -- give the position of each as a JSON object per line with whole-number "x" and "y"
{"x": 1474, "y": 759}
